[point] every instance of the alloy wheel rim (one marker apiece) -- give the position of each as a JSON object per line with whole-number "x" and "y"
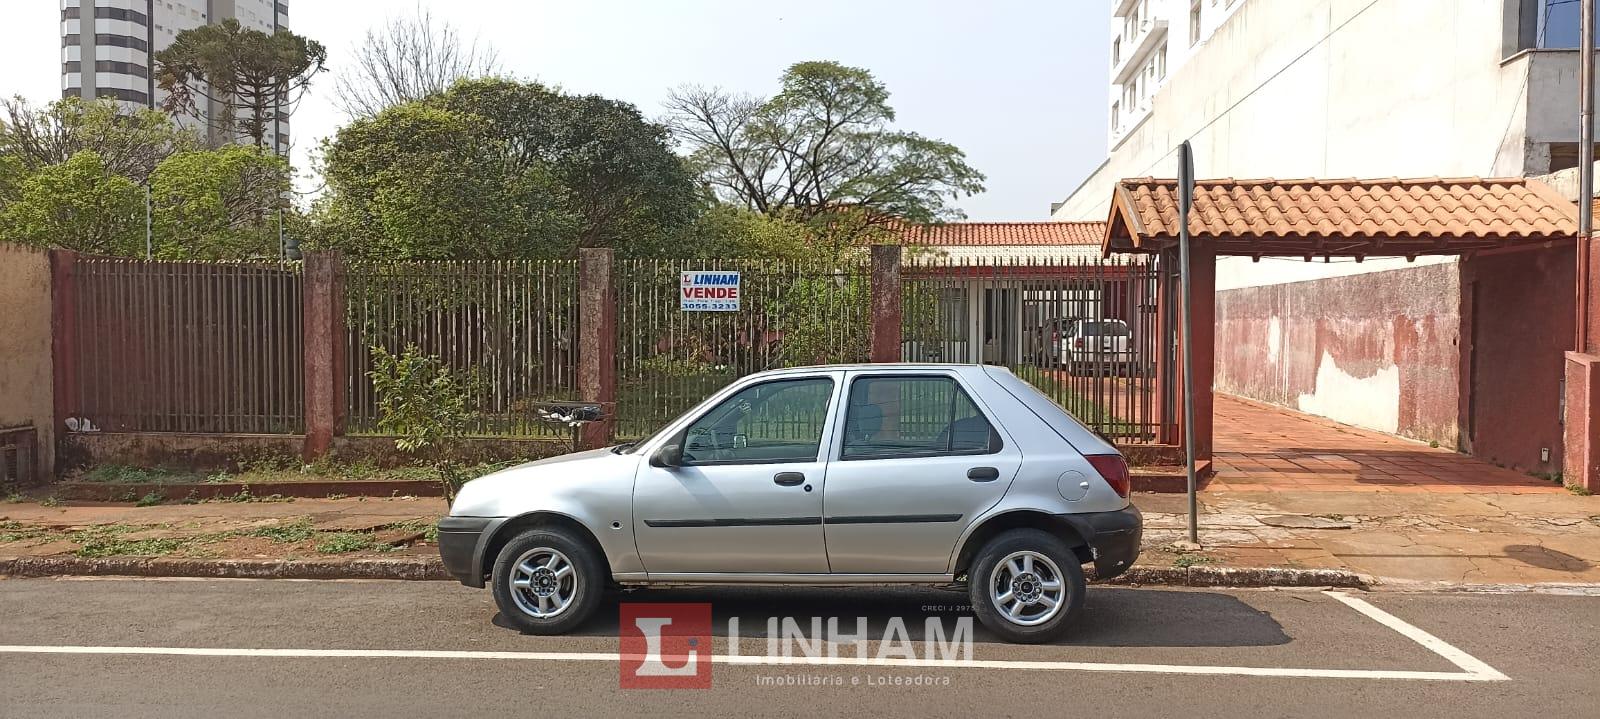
{"x": 543, "y": 582}
{"x": 1026, "y": 588}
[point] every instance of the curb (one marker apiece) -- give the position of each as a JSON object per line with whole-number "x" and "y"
{"x": 409, "y": 569}
{"x": 1243, "y": 577}
{"x": 432, "y": 569}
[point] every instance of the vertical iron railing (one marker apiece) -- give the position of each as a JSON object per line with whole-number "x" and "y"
{"x": 1083, "y": 330}
{"x": 791, "y": 313}
{"x": 509, "y": 326}
{"x": 185, "y": 347}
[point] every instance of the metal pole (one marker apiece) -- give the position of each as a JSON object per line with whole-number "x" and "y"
{"x": 1185, "y": 199}
{"x": 1585, "y": 171}
{"x": 149, "y": 253}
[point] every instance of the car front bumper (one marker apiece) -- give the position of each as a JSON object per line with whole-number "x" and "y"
{"x": 1113, "y": 538}
{"x": 461, "y": 546}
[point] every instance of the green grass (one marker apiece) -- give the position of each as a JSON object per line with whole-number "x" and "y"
{"x": 149, "y": 500}
{"x": 346, "y": 542}
{"x": 298, "y": 530}
{"x": 107, "y": 541}
{"x": 1184, "y": 561}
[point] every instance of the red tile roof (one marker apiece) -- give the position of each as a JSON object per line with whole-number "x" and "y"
{"x": 1382, "y": 216}
{"x": 996, "y": 234}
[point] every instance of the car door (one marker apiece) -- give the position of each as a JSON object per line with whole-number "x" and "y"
{"x": 747, "y": 495}
{"x": 916, "y": 458}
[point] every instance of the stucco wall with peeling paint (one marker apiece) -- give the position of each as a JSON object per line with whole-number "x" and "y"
{"x": 1377, "y": 350}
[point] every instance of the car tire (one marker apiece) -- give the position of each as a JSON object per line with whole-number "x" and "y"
{"x": 1046, "y": 560}
{"x": 549, "y": 551}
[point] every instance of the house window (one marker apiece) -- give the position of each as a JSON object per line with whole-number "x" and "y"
{"x": 1116, "y": 50}
{"x": 1194, "y": 23}
{"x": 1116, "y": 111}
{"x": 1556, "y": 24}
{"x": 1161, "y": 63}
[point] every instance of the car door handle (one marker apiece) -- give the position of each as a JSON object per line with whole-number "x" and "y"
{"x": 983, "y": 474}
{"x": 788, "y": 479}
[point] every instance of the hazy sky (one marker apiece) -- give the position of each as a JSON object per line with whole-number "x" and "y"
{"x": 1020, "y": 85}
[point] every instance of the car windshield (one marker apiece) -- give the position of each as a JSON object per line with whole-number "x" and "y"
{"x": 1105, "y": 328}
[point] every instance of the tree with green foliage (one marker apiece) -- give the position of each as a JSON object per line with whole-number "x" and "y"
{"x": 218, "y": 204}
{"x": 129, "y": 142}
{"x": 496, "y": 168}
{"x": 825, "y": 142}
{"x": 419, "y": 181}
{"x": 79, "y": 204}
{"x": 249, "y": 75}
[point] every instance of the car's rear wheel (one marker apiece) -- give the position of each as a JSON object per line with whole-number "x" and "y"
{"x": 1026, "y": 585}
{"x": 547, "y": 580}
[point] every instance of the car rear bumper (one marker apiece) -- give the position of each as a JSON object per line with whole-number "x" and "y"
{"x": 461, "y": 543}
{"x": 1113, "y": 538}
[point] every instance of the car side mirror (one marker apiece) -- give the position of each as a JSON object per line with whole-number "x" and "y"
{"x": 667, "y": 455}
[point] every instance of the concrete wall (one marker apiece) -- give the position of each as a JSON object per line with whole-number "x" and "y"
{"x": 1377, "y": 350}
{"x": 26, "y": 395}
{"x": 1518, "y": 310}
{"x": 1334, "y": 88}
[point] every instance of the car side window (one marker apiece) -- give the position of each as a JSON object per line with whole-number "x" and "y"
{"x": 892, "y": 417}
{"x": 779, "y": 421}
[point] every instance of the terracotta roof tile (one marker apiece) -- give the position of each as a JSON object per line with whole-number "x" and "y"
{"x": 1316, "y": 214}
{"x": 994, "y": 234}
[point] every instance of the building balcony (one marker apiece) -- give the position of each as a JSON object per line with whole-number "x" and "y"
{"x": 1128, "y": 120}
{"x": 1149, "y": 35}
{"x": 1123, "y": 7}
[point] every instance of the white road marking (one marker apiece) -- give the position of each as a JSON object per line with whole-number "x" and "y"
{"x": 1473, "y": 670}
{"x": 1467, "y": 662}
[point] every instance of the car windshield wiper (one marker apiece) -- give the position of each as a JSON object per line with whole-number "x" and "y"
{"x": 619, "y": 449}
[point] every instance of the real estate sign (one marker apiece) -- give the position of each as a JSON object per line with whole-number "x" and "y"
{"x": 709, "y": 291}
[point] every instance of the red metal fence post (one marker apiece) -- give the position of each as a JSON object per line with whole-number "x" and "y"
{"x": 63, "y": 334}
{"x": 323, "y": 326}
{"x": 886, "y": 311}
{"x": 597, "y": 342}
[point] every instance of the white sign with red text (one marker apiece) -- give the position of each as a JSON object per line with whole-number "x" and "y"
{"x": 709, "y": 291}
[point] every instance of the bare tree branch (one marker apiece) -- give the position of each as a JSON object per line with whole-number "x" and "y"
{"x": 407, "y": 59}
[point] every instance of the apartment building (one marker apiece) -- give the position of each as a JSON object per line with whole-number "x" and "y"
{"x": 107, "y": 48}
{"x": 1368, "y": 89}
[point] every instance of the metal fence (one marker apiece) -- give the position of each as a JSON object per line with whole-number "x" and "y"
{"x": 790, "y": 314}
{"x": 1084, "y": 331}
{"x": 183, "y": 347}
{"x": 216, "y": 347}
{"x": 509, "y": 326}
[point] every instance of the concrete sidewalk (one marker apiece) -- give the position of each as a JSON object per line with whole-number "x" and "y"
{"x": 1454, "y": 539}
{"x": 1464, "y": 538}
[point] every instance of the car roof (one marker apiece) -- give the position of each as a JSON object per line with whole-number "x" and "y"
{"x": 875, "y": 366}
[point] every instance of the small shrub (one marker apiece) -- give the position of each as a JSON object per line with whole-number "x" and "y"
{"x": 149, "y": 500}
{"x": 50, "y": 501}
{"x": 425, "y": 404}
{"x": 1579, "y": 490}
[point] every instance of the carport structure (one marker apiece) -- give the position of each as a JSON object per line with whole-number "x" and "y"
{"x": 1486, "y": 341}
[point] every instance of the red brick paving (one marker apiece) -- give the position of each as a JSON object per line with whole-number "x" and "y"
{"x": 1261, "y": 447}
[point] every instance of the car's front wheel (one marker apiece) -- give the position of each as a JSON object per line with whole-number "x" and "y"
{"x": 1026, "y": 585}
{"x": 547, "y": 581}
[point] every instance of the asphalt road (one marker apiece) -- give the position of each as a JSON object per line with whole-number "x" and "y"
{"x": 1121, "y": 661}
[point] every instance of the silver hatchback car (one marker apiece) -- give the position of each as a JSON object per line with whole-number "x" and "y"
{"x": 928, "y": 474}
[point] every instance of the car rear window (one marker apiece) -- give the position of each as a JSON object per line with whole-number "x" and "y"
{"x": 1105, "y": 328}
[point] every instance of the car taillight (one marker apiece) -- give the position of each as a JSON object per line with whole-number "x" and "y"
{"x": 1055, "y": 336}
{"x": 1114, "y": 470}
{"x": 1078, "y": 343}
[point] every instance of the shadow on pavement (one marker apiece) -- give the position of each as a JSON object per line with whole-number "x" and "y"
{"x": 1111, "y": 617}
